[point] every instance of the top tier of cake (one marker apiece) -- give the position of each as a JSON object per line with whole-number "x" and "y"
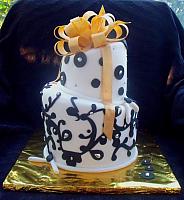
{"x": 81, "y": 73}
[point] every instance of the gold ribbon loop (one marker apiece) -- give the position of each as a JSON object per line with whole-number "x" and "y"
{"x": 59, "y": 33}
{"x": 81, "y": 34}
{"x": 110, "y": 18}
{"x": 59, "y": 48}
{"x": 98, "y": 39}
{"x": 70, "y": 30}
{"x": 74, "y": 45}
{"x": 89, "y": 14}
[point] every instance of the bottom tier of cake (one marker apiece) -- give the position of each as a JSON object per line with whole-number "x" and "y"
{"x": 74, "y": 132}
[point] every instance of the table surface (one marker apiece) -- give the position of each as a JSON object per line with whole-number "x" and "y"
{"x": 12, "y": 143}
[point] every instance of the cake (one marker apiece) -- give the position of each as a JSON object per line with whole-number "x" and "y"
{"x": 90, "y": 123}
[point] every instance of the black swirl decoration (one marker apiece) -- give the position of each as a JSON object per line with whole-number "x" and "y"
{"x": 91, "y": 133}
{"x": 119, "y": 130}
{"x": 48, "y": 85}
{"x": 72, "y": 158}
{"x": 51, "y": 127}
{"x": 64, "y": 134}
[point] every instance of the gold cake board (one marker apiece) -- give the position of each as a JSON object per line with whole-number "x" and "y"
{"x": 150, "y": 173}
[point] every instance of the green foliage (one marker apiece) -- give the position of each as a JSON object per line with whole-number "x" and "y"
{"x": 178, "y": 7}
{"x": 4, "y": 7}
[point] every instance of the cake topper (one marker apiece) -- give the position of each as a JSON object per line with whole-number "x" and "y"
{"x": 89, "y": 31}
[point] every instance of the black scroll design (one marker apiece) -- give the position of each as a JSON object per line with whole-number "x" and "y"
{"x": 51, "y": 127}
{"x": 71, "y": 157}
{"x": 118, "y": 130}
{"x": 75, "y": 157}
{"x": 51, "y": 102}
{"x": 48, "y": 85}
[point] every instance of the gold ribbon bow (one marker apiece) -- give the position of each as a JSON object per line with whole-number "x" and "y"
{"x": 81, "y": 34}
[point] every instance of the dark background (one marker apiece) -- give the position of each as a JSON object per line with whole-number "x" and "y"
{"x": 155, "y": 76}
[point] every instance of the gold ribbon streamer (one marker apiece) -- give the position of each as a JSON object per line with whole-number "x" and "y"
{"x": 109, "y": 120}
{"x": 107, "y": 74}
{"x": 82, "y": 34}
{"x": 106, "y": 92}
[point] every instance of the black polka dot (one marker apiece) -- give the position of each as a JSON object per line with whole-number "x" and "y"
{"x": 149, "y": 168}
{"x": 80, "y": 59}
{"x": 128, "y": 153}
{"x": 88, "y": 131}
{"x": 146, "y": 162}
{"x": 66, "y": 59}
{"x": 95, "y": 83}
{"x": 147, "y": 175}
{"x": 119, "y": 72}
{"x": 49, "y": 157}
{"x": 101, "y": 61}
{"x": 63, "y": 78}
{"x": 121, "y": 91}
{"x": 53, "y": 115}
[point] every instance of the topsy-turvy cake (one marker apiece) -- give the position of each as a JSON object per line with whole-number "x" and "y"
{"x": 90, "y": 123}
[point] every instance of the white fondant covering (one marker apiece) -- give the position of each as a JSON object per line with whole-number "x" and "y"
{"x": 78, "y": 86}
{"x": 79, "y": 79}
{"x": 88, "y": 164}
